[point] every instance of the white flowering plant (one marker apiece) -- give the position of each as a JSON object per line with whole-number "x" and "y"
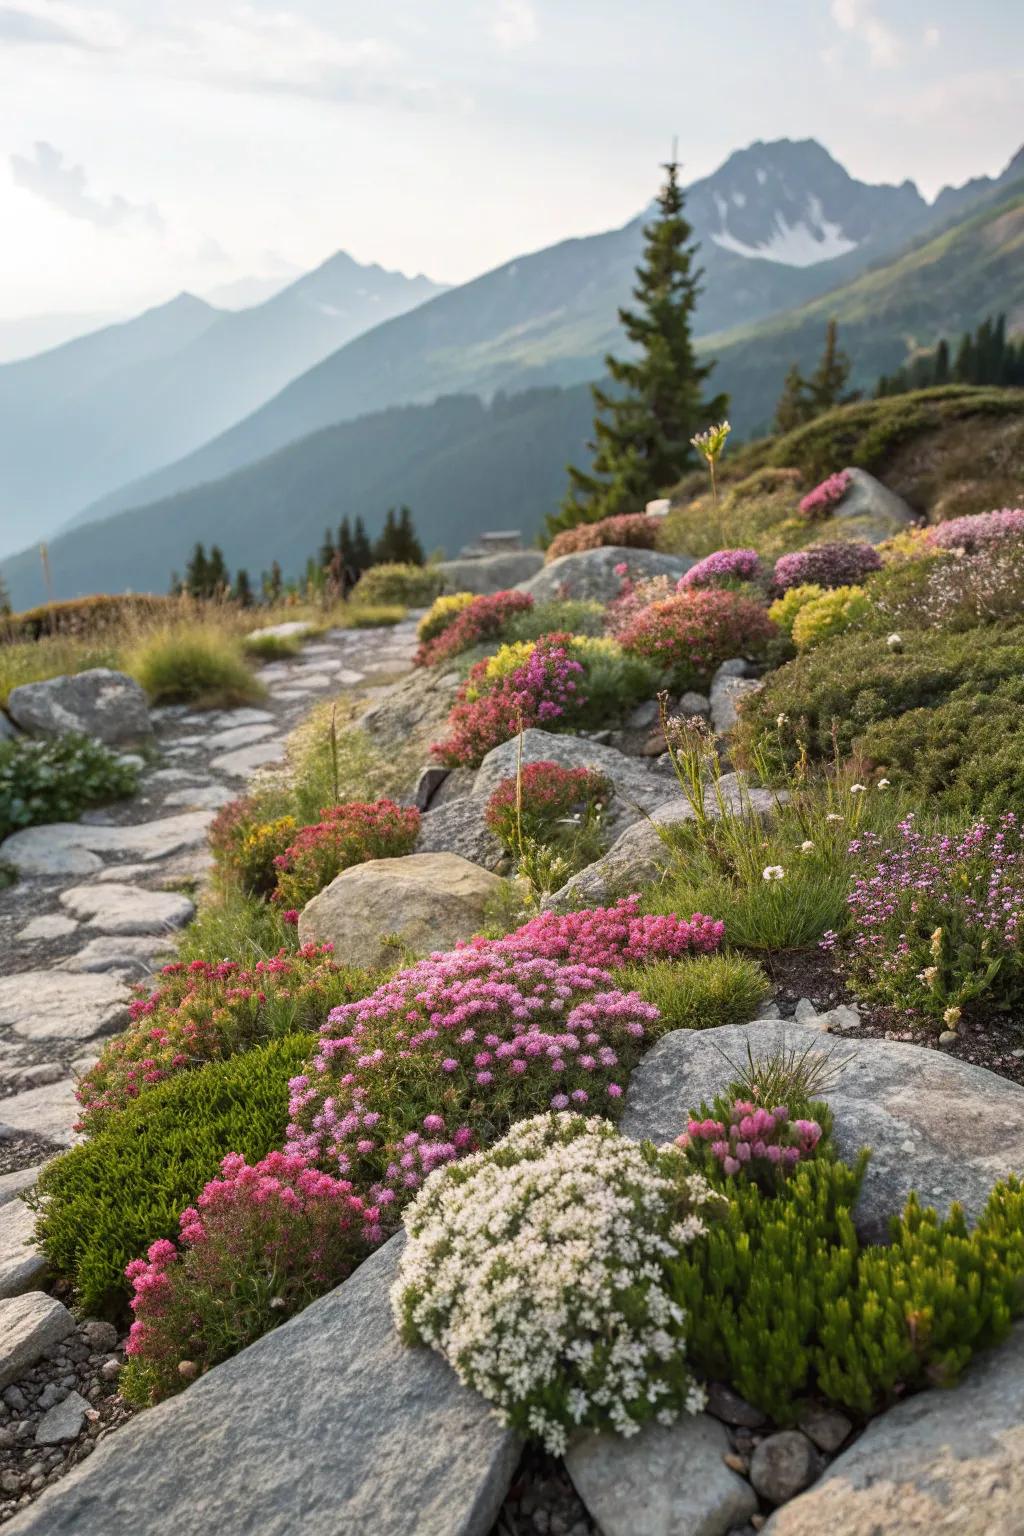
{"x": 541, "y": 1270}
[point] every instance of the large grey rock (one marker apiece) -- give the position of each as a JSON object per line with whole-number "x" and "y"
{"x": 941, "y": 1461}
{"x": 639, "y": 785}
{"x": 459, "y": 827}
{"x": 591, "y": 573}
{"x": 668, "y": 1480}
{"x": 50, "y": 1110}
{"x": 22, "y": 1266}
{"x": 878, "y": 513}
{"x": 8, "y": 730}
{"x": 74, "y": 847}
{"x": 935, "y": 1124}
{"x": 491, "y": 573}
{"x": 107, "y": 705}
{"x": 29, "y": 1326}
{"x": 422, "y": 902}
{"x": 115, "y": 908}
{"x": 326, "y": 1426}
{"x": 51, "y": 1005}
{"x": 412, "y": 713}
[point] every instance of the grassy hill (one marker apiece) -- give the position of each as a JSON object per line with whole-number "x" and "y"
{"x": 942, "y": 287}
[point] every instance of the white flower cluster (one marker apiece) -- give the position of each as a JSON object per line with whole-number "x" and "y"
{"x": 538, "y": 1269}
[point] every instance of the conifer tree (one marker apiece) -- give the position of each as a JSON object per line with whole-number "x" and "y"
{"x": 197, "y": 573}
{"x": 828, "y": 381}
{"x": 218, "y": 577}
{"x": 276, "y": 582}
{"x": 386, "y": 545}
{"x": 643, "y": 423}
{"x": 345, "y": 544}
{"x": 242, "y": 593}
{"x": 327, "y": 553}
{"x": 794, "y": 407}
{"x": 362, "y": 553}
{"x": 407, "y": 544}
{"x": 942, "y": 362}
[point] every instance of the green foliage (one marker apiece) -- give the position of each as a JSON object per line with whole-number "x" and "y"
{"x": 228, "y": 922}
{"x": 197, "y": 664}
{"x": 352, "y": 768}
{"x": 100, "y": 614}
{"x": 804, "y": 399}
{"x": 56, "y": 780}
{"x": 700, "y": 991}
{"x": 644, "y": 423}
{"x": 984, "y": 357}
{"x": 785, "y": 609}
{"x": 442, "y": 612}
{"x": 829, "y": 615}
{"x": 398, "y": 543}
{"x": 614, "y": 679}
{"x": 104, "y": 1202}
{"x": 569, "y": 615}
{"x": 413, "y": 585}
{"x": 272, "y": 647}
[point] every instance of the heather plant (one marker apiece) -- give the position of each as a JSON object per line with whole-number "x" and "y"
{"x": 345, "y": 835}
{"x": 443, "y": 611}
{"x": 103, "y": 1203}
{"x": 545, "y": 803}
{"x": 826, "y": 496}
{"x": 831, "y": 614}
{"x": 729, "y": 568}
{"x": 633, "y": 598}
{"x": 484, "y": 618}
{"x": 57, "y": 780}
{"x": 262, "y": 1241}
{"x": 634, "y": 530}
{"x": 972, "y": 534}
{"x": 837, "y": 564}
{"x": 954, "y": 590}
{"x": 689, "y": 635}
{"x": 537, "y": 685}
{"x": 587, "y": 1338}
{"x": 785, "y": 610}
{"x": 935, "y": 920}
{"x": 200, "y": 1012}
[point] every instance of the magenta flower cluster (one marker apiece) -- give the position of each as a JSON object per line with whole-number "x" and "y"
{"x": 726, "y": 567}
{"x": 547, "y": 689}
{"x": 975, "y": 533}
{"x": 838, "y": 564}
{"x": 754, "y": 1140}
{"x": 608, "y": 937}
{"x": 823, "y": 500}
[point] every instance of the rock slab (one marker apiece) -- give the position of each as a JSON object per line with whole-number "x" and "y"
{"x": 489, "y": 573}
{"x": 459, "y": 827}
{"x": 941, "y": 1461}
{"x": 74, "y": 847}
{"x": 668, "y": 1480}
{"x": 114, "y": 908}
{"x": 22, "y": 1266}
{"x": 29, "y": 1326}
{"x": 910, "y": 1105}
{"x": 49, "y": 1111}
{"x": 425, "y": 901}
{"x": 591, "y": 573}
{"x": 51, "y": 1005}
{"x": 326, "y": 1425}
{"x": 101, "y": 703}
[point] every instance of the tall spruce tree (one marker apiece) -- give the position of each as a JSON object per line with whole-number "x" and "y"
{"x": 794, "y": 406}
{"x": 827, "y": 383}
{"x": 408, "y": 547}
{"x": 362, "y": 552}
{"x": 643, "y": 423}
{"x": 242, "y": 592}
{"x": 327, "y": 552}
{"x": 386, "y": 546}
{"x": 345, "y": 544}
{"x": 218, "y": 577}
{"x": 197, "y": 573}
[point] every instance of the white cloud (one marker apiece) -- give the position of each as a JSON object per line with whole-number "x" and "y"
{"x": 515, "y": 23}
{"x": 932, "y": 37}
{"x": 858, "y": 19}
{"x": 64, "y": 187}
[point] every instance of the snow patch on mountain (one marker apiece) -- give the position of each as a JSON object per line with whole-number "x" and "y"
{"x": 805, "y": 243}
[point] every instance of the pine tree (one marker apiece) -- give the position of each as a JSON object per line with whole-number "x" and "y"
{"x": 177, "y": 586}
{"x": 409, "y": 549}
{"x": 362, "y": 553}
{"x": 386, "y": 545}
{"x": 218, "y": 577}
{"x": 197, "y": 573}
{"x": 941, "y": 371}
{"x": 242, "y": 593}
{"x": 794, "y": 407}
{"x": 276, "y": 582}
{"x": 327, "y": 554}
{"x": 963, "y": 368}
{"x": 345, "y": 544}
{"x": 828, "y": 381}
{"x": 644, "y": 423}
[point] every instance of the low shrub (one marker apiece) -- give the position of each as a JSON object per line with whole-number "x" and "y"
{"x": 739, "y": 1137}
{"x": 201, "y": 1011}
{"x": 56, "y": 780}
{"x": 330, "y": 761}
{"x": 826, "y": 496}
{"x": 690, "y": 635}
{"x": 100, "y": 614}
{"x": 484, "y": 618}
{"x": 105, "y": 1201}
{"x": 953, "y": 590}
{"x": 270, "y": 647}
{"x": 831, "y": 614}
{"x": 367, "y": 615}
{"x": 590, "y": 1336}
{"x": 443, "y": 611}
{"x": 569, "y": 615}
{"x": 193, "y": 664}
{"x": 633, "y": 598}
{"x": 937, "y": 920}
{"x": 245, "y": 844}
{"x": 632, "y": 530}
{"x": 728, "y": 568}
{"x": 345, "y": 835}
{"x": 973, "y": 534}
{"x": 837, "y": 564}
{"x": 261, "y": 1243}
{"x": 531, "y": 807}
{"x": 785, "y": 609}
{"x": 413, "y": 586}
{"x": 701, "y": 991}
{"x": 544, "y": 687}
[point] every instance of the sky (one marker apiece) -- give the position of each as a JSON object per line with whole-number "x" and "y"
{"x": 148, "y": 146}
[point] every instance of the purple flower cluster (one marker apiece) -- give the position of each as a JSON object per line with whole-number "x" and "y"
{"x": 822, "y": 501}
{"x": 726, "y": 567}
{"x": 938, "y": 918}
{"x": 975, "y": 533}
{"x": 755, "y": 1140}
{"x": 838, "y": 564}
{"x": 547, "y": 687}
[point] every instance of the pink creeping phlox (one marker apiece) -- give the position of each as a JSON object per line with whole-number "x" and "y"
{"x": 823, "y": 500}
{"x": 973, "y": 534}
{"x": 726, "y": 567}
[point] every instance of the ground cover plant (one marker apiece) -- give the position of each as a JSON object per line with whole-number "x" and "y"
{"x": 730, "y": 568}
{"x": 828, "y": 565}
{"x": 549, "y": 820}
{"x": 346, "y": 834}
{"x": 687, "y": 636}
{"x": 826, "y": 496}
{"x": 633, "y": 530}
{"x": 396, "y": 583}
{"x": 482, "y": 618}
{"x": 193, "y": 664}
{"x": 57, "y": 780}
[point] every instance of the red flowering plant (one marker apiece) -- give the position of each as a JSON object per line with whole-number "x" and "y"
{"x": 346, "y": 834}
{"x": 690, "y": 634}
{"x": 484, "y": 618}
{"x": 261, "y": 1243}
{"x": 201, "y": 1012}
{"x": 245, "y": 843}
{"x": 545, "y": 689}
{"x": 633, "y": 530}
{"x": 543, "y": 799}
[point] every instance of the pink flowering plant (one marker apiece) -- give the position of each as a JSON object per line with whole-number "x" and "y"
{"x": 345, "y": 835}
{"x": 690, "y": 634}
{"x": 743, "y": 1138}
{"x": 202, "y": 1011}
{"x": 823, "y": 500}
{"x": 485, "y": 618}
{"x": 634, "y": 597}
{"x": 630, "y": 529}
{"x": 838, "y": 564}
{"x": 546, "y": 689}
{"x": 936, "y": 920}
{"x": 544, "y": 799}
{"x": 728, "y": 568}
{"x": 262, "y": 1241}
{"x": 972, "y": 534}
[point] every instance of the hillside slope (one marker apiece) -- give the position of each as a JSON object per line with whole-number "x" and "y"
{"x": 463, "y": 466}
{"x": 78, "y": 420}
